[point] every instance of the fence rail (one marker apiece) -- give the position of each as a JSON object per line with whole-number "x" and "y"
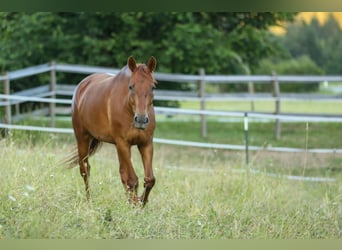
{"x": 69, "y": 68}
{"x": 169, "y": 111}
{"x": 207, "y": 78}
{"x": 187, "y": 143}
{"x": 48, "y": 93}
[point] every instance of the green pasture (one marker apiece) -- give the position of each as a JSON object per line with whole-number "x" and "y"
{"x": 309, "y": 107}
{"x": 298, "y": 135}
{"x": 313, "y": 106}
{"x": 301, "y": 135}
{"x": 227, "y": 130}
{"x": 199, "y": 194}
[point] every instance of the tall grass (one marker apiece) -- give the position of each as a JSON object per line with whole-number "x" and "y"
{"x": 199, "y": 194}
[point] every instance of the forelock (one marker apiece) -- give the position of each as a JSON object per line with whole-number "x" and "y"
{"x": 143, "y": 70}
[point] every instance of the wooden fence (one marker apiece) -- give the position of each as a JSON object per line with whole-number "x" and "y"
{"x": 54, "y": 89}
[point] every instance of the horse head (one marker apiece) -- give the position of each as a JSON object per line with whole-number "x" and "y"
{"x": 141, "y": 86}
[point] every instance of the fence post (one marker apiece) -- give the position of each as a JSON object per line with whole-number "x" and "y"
{"x": 202, "y": 102}
{"x": 52, "y": 108}
{"x": 246, "y": 138}
{"x": 250, "y": 86}
{"x": 7, "y": 91}
{"x": 251, "y": 92}
{"x": 276, "y": 95}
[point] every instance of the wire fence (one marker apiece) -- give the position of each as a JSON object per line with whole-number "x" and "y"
{"x": 168, "y": 111}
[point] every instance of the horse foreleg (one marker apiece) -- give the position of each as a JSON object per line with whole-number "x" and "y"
{"x": 149, "y": 180}
{"x": 130, "y": 183}
{"x": 128, "y": 177}
{"x": 148, "y": 185}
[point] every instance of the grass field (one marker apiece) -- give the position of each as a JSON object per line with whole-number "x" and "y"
{"x": 313, "y": 106}
{"x": 310, "y": 107}
{"x": 199, "y": 194}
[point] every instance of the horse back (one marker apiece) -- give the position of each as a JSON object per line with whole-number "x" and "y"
{"x": 94, "y": 90}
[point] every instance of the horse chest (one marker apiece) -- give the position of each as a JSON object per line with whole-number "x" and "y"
{"x": 136, "y": 137}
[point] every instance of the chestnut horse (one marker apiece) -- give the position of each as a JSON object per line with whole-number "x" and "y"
{"x": 117, "y": 109}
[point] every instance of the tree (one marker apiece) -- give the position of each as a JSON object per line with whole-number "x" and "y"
{"x": 322, "y": 43}
{"x": 181, "y": 41}
{"x": 302, "y": 65}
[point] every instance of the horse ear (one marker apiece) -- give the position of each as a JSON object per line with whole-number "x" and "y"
{"x": 131, "y": 63}
{"x": 152, "y": 63}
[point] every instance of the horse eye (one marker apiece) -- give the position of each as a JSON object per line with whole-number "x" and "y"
{"x": 131, "y": 87}
{"x": 153, "y": 88}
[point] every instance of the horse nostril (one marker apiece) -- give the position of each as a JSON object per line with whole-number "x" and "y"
{"x": 142, "y": 119}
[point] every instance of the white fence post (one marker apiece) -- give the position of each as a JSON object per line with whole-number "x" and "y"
{"x": 202, "y": 96}
{"x": 246, "y": 138}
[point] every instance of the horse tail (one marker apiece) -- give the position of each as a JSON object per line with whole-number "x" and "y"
{"x": 94, "y": 146}
{"x": 73, "y": 159}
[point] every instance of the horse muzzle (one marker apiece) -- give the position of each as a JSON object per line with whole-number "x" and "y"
{"x": 141, "y": 121}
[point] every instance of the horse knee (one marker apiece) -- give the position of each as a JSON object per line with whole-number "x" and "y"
{"x": 130, "y": 183}
{"x": 149, "y": 182}
{"x": 133, "y": 183}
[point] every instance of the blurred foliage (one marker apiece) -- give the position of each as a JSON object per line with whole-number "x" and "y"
{"x": 182, "y": 42}
{"x": 298, "y": 66}
{"x": 321, "y": 42}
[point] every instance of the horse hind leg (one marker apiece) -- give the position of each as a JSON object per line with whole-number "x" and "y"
{"x": 85, "y": 173}
{"x": 83, "y": 153}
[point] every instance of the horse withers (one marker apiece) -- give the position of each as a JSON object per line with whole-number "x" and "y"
{"x": 117, "y": 109}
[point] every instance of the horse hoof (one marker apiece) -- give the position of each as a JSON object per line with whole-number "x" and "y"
{"x": 142, "y": 203}
{"x": 134, "y": 202}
